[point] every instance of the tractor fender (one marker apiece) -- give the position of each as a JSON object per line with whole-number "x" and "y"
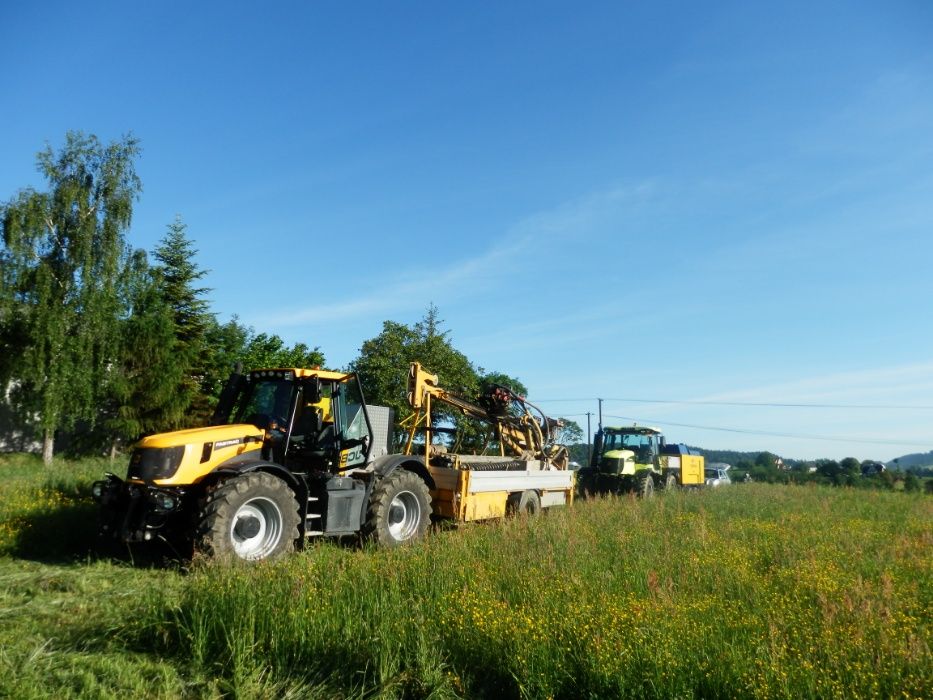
{"x": 384, "y": 466}
{"x": 235, "y": 468}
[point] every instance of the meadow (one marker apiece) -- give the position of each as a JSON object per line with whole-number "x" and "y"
{"x": 754, "y": 590}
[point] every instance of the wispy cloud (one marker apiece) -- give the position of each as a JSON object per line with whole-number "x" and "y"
{"x": 401, "y": 292}
{"x": 528, "y": 239}
{"x": 902, "y": 384}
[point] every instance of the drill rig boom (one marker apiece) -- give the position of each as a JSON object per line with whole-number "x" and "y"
{"x": 519, "y": 432}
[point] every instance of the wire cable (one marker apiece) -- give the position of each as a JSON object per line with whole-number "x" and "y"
{"x": 768, "y": 404}
{"x": 799, "y": 436}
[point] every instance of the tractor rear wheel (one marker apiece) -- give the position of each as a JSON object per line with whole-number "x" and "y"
{"x": 399, "y": 509}
{"x": 644, "y": 484}
{"x": 526, "y": 503}
{"x": 249, "y": 517}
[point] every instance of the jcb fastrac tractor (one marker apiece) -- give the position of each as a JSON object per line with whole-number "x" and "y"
{"x": 296, "y": 453}
{"x": 636, "y": 459}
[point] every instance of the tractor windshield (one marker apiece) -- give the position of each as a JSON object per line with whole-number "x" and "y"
{"x": 644, "y": 446}
{"x": 265, "y": 401}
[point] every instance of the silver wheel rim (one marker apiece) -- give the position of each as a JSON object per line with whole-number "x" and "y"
{"x": 264, "y": 542}
{"x": 404, "y": 515}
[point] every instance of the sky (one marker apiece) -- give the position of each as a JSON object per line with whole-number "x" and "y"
{"x": 685, "y": 209}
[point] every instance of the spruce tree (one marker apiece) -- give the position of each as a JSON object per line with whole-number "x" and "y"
{"x": 177, "y": 277}
{"x": 143, "y": 382}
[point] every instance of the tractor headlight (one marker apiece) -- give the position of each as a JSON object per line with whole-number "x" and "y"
{"x": 164, "y": 500}
{"x": 97, "y": 490}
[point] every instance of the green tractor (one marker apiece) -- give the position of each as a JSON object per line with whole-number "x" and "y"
{"x": 636, "y": 459}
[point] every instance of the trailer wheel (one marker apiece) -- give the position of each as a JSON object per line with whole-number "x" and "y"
{"x": 644, "y": 484}
{"x": 525, "y": 503}
{"x": 670, "y": 482}
{"x": 249, "y": 517}
{"x": 399, "y": 509}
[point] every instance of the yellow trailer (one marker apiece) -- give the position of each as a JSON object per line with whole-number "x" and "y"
{"x": 466, "y": 492}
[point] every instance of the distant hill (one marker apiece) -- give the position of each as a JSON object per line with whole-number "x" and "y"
{"x": 913, "y": 462}
{"x": 919, "y": 461}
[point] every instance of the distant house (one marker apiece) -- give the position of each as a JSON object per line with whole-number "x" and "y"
{"x": 16, "y": 433}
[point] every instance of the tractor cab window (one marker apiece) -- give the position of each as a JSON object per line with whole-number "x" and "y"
{"x": 352, "y": 424}
{"x": 266, "y": 401}
{"x": 644, "y": 446}
{"x": 312, "y": 418}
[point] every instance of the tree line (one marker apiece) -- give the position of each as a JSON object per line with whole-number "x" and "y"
{"x": 849, "y": 471}
{"x": 104, "y": 343}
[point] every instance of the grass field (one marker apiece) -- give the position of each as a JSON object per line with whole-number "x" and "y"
{"x": 748, "y": 591}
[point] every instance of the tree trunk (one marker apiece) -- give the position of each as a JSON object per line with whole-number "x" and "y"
{"x": 48, "y": 446}
{"x": 113, "y": 450}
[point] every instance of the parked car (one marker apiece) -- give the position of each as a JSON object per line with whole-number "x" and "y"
{"x": 717, "y": 474}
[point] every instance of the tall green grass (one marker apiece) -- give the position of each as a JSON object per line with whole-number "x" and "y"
{"x": 748, "y": 591}
{"x": 761, "y": 591}
{"x": 66, "y": 615}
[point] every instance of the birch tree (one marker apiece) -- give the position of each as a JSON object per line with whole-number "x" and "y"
{"x": 62, "y": 254}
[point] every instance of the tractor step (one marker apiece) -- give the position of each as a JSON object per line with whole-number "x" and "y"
{"x": 313, "y": 533}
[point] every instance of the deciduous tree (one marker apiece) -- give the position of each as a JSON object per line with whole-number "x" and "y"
{"x": 264, "y": 350}
{"x": 63, "y": 250}
{"x": 383, "y": 363}
{"x": 570, "y": 433}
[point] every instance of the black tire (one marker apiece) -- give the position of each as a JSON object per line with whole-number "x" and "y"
{"x": 526, "y": 503}
{"x": 399, "y": 509}
{"x": 249, "y": 517}
{"x": 670, "y": 482}
{"x": 586, "y": 483}
{"x": 644, "y": 484}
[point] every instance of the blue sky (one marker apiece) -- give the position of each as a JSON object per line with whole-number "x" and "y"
{"x": 722, "y": 202}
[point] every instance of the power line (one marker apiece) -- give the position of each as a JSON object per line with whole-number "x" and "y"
{"x": 799, "y": 436}
{"x": 768, "y": 404}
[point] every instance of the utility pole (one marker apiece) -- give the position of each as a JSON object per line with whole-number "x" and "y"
{"x": 589, "y": 440}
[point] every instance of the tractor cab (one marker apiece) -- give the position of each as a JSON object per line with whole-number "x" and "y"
{"x": 312, "y": 419}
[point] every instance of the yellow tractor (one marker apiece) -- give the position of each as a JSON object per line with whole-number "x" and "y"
{"x": 297, "y": 453}
{"x": 636, "y": 459}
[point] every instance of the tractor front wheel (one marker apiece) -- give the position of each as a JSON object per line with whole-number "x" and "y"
{"x": 399, "y": 509}
{"x": 250, "y": 517}
{"x": 644, "y": 484}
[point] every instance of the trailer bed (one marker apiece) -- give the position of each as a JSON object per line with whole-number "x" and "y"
{"x": 466, "y": 493}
